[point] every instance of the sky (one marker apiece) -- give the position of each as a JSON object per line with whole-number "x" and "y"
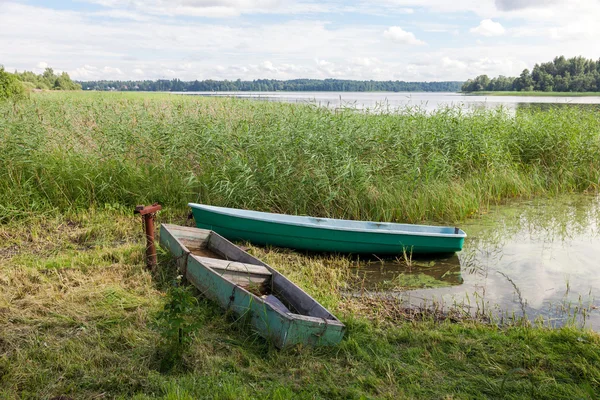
{"x": 410, "y": 40}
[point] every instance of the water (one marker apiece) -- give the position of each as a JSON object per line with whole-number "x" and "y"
{"x": 539, "y": 257}
{"x": 428, "y": 101}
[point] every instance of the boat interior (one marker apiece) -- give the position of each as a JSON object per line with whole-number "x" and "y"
{"x": 242, "y": 269}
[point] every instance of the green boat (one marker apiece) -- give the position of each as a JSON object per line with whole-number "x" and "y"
{"x": 277, "y": 309}
{"x": 325, "y": 234}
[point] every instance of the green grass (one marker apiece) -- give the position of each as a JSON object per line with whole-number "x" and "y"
{"x": 533, "y": 93}
{"x": 70, "y": 151}
{"x": 78, "y": 310}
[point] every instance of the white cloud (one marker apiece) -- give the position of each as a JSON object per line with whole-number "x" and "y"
{"x": 138, "y": 71}
{"x": 90, "y": 72}
{"x": 508, "y": 5}
{"x": 42, "y": 65}
{"x": 210, "y": 8}
{"x": 399, "y": 35}
{"x": 87, "y": 72}
{"x": 121, "y": 14}
{"x": 364, "y": 61}
{"x": 448, "y": 62}
{"x": 267, "y": 66}
{"x": 112, "y": 71}
{"x": 487, "y": 27}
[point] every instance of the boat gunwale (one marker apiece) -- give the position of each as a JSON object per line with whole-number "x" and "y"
{"x": 218, "y": 210}
{"x": 289, "y": 316}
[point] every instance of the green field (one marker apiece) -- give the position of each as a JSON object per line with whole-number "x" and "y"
{"x": 80, "y": 316}
{"x": 534, "y": 93}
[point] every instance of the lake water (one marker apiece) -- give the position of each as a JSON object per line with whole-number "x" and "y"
{"x": 389, "y": 100}
{"x": 539, "y": 257}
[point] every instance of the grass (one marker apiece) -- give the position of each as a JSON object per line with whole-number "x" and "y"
{"x": 72, "y": 151}
{"x": 79, "y": 311}
{"x": 533, "y": 93}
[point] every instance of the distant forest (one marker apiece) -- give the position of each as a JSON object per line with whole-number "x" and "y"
{"x": 575, "y": 74}
{"x": 271, "y": 85}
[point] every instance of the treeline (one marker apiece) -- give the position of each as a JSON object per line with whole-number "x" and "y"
{"x": 48, "y": 80}
{"x": 17, "y": 84}
{"x": 271, "y": 85}
{"x": 575, "y": 74}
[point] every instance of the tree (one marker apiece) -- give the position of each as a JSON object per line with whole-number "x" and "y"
{"x": 64, "y": 82}
{"x": 562, "y": 83}
{"x": 542, "y": 80}
{"x": 49, "y": 77}
{"x": 482, "y": 82}
{"x": 545, "y": 82}
{"x": 467, "y": 86}
{"x": 576, "y": 74}
{"x": 561, "y": 65}
{"x": 524, "y": 82}
{"x": 10, "y": 86}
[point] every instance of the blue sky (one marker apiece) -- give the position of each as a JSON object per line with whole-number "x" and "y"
{"x": 285, "y": 39}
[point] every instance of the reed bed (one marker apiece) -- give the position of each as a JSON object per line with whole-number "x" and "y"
{"x": 63, "y": 152}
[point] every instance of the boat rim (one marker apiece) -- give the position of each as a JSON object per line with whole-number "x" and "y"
{"x": 231, "y": 212}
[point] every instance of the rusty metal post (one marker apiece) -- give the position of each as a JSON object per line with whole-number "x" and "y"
{"x": 148, "y": 213}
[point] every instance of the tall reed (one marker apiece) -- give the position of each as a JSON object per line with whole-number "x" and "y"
{"x": 63, "y": 151}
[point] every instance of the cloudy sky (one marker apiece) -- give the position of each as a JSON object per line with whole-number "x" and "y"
{"x": 283, "y": 39}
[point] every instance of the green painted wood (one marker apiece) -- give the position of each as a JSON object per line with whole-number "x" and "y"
{"x": 314, "y": 238}
{"x": 314, "y": 326}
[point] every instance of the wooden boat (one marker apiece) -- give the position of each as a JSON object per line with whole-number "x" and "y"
{"x": 325, "y": 234}
{"x": 279, "y": 310}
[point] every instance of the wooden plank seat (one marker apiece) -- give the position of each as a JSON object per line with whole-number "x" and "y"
{"x": 242, "y": 274}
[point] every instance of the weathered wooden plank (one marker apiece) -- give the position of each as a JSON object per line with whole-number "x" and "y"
{"x": 255, "y": 277}
{"x": 275, "y": 303}
{"x": 234, "y": 266}
{"x": 220, "y": 245}
{"x": 256, "y": 284}
{"x": 189, "y": 230}
{"x": 189, "y": 237}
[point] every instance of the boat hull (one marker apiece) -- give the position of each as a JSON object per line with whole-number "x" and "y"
{"x": 315, "y": 238}
{"x": 309, "y": 323}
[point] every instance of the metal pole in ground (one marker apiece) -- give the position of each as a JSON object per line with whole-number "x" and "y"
{"x": 148, "y": 213}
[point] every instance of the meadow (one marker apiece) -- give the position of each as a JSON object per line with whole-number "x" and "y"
{"x": 80, "y": 316}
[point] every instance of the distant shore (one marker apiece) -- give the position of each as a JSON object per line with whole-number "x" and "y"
{"x": 534, "y": 94}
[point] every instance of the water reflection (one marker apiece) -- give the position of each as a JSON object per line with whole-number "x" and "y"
{"x": 540, "y": 257}
{"x": 398, "y": 274}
